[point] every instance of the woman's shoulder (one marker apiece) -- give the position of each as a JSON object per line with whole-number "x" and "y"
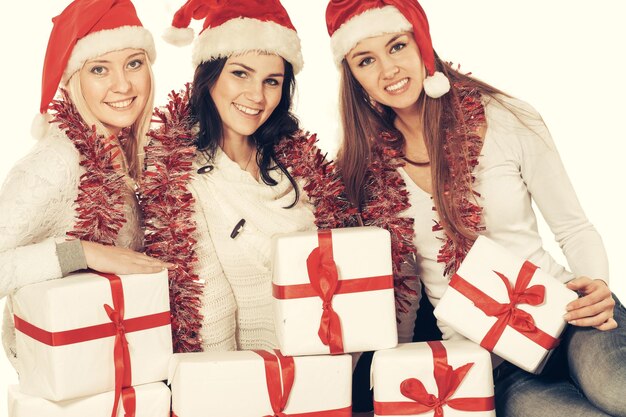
{"x": 515, "y": 125}
{"x": 53, "y": 153}
{"x": 510, "y": 111}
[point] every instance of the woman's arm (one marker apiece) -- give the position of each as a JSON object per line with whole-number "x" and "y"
{"x": 552, "y": 191}
{"x": 34, "y": 201}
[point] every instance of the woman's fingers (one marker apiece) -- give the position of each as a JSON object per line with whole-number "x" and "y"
{"x": 594, "y": 308}
{"x": 116, "y": 260}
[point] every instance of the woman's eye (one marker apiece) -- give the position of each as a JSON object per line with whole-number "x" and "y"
{"x": 397, "y": 47}
{"x": 98, "y": 70}
{"x": 272, "y": 81}
{"x": 135, "y": 64}
{"x": 240, "y": 74}
{"x": 365, "y": 62}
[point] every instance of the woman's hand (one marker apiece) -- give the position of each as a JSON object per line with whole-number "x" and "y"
{"x": 121, "y": 261}
{"x": 595, "y": 306}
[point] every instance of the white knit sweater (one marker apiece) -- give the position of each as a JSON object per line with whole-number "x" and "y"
{"x": 237, "y": 300}
{"x": 37, "y": 209}
{"x": 519, "y": 164}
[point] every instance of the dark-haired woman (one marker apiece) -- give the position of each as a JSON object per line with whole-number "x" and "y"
{"x": 451, "y": 158}
{"x": 229, "y": 169}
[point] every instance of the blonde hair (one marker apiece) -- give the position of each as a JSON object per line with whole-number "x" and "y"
{"x": 133, "y": 155}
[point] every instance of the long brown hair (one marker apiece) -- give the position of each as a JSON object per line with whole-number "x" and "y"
{"x": 364, "y": 120}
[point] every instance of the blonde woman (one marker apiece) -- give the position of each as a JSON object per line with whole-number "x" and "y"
{"x": 70, "y": 204}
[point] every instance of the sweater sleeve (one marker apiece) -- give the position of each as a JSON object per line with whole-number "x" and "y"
{"x": 546, "y": 179}
{"x": 35, "y": 196}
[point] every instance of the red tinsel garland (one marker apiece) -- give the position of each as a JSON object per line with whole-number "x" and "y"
{"x": 100, "y": 200}
{"x": 168, "y": 215}
{"x": 168, "y": 205}
{"x": 387, "y": 198}
{"x": 462, "y": 149}
{"x": 324, "y": 188}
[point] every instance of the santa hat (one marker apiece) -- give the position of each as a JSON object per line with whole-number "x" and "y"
{"x": 236, "y": 26}
{"x": 85, "y": 30}
{"x": 350, "y": 21}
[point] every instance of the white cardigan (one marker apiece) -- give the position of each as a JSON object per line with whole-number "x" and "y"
{"x": 237, "y": 296}
{"x": 37, "y": 209}
{"x": 519, "y": 164}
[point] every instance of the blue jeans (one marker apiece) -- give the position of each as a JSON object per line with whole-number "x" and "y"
{"x": 585, "y": 377}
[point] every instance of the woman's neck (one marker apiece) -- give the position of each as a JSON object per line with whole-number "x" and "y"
{"x": 410, "y": 123}
{"x": 241, "y": 150}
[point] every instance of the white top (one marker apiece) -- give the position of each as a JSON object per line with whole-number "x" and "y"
{"x": 237, "y": 297}
{"x": 37, "y": 209}
{"x": 519, "y": 164}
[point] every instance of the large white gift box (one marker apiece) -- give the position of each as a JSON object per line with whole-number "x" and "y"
{"x": 506, "y": 304}
{"x": 150, "y": 400}
{"x": 333, "y": 291}
{"x": 248, "y": 384}
{"x": 451, "y": 378}
{"x": 75, "y": 335}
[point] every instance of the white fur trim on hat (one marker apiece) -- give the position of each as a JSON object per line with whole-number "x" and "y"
{"x": 40, "y": 125}
{"x": 436, "y": 85}
{"x": 245, "y": 34}
{"x": 178, "y": 36}
{"x": 105, "y": 41}
{"x": 373, "y": 22}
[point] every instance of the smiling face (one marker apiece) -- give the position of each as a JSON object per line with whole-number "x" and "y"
{"x": 116, "y": 87}
{"x": 389, "y": 68}
{"x": 247, "y": 91}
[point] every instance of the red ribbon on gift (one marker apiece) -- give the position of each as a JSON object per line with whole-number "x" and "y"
{"x": 508, "y": 314}
{"x": 325, "y": 284}
{"x": 118, "y": 327}
{"x": 448, "y": 381}
{"x": 279, "y": 392}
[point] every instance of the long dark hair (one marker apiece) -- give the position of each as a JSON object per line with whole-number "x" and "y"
{"x": 364, "y": 120}
{"x": 281, "y": 123}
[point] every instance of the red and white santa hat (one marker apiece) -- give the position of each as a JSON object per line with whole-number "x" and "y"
{"x": 350, "y": 21}
{"x": 85, "y": 30}
{"x": 236, "y": 26}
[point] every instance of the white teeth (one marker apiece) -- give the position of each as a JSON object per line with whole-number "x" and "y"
{"x": 247, "y": 110}
{"x": 121, "y": 104}
{"x": 398, "y": 85}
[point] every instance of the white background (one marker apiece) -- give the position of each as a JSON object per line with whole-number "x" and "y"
{"x": 566, "y": 58}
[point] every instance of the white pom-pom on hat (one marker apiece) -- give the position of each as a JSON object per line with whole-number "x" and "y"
{"x": 436, "y": 85}
{"x": 178, "y": 36}
{"x": 40, "y": 125}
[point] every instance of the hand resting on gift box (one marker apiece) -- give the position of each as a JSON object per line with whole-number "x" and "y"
{"x": 595, "y": 306}
{"x": 121, "y": 261}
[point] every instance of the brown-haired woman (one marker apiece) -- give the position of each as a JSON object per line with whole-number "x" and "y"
{"x": 438, "y": 158}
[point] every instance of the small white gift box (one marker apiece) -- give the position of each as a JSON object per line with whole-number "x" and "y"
{"x": 333, "y": 291}
{"x": 506, "y": 304}
{"x": 453, "y": 378}
{"x": 150, "y": 400}
{"x": 75, "y": 335}
{"x": 248, "y": 384}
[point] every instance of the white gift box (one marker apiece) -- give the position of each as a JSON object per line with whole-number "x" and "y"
{"x": 65, "y": 371}
{"x": 416, "y": 360}
{"x": 367, "y": 317}
{"x": 234, "y": 384}
{"x": 480, "y": 268}
{"x": 151, "y": 400}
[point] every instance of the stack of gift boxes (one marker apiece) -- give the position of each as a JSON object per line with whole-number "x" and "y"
{"x": 333, "y": 292}
{"x": 93, "y": 345}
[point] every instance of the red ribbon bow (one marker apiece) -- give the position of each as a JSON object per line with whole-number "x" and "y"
{"x": 324, "y": 280}
{"x": 448, "y": 381}
{"x": 508, "y": 314}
